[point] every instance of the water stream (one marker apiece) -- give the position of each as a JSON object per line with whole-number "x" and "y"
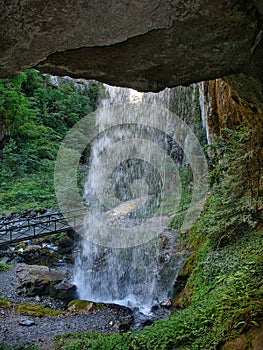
{"x": 131, "y": 257}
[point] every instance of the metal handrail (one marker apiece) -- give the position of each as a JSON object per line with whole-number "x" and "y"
{"x": 6, "y": 221}
{"x": 36, "y": 226}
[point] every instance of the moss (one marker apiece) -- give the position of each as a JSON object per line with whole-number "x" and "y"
{"x": 180, "y": 292}
{"x": 5, "y": 302}
{"x": 99, "y": 305}
{"x": 80, "y": 305}
{"x": 29, "y": 309}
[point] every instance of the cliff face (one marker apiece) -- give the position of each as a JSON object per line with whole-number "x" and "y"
{"x": 223, "y": 107}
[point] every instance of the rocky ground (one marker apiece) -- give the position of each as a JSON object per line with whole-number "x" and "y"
{"x": 18, "y": 328}
{"x": 32, "y": 284}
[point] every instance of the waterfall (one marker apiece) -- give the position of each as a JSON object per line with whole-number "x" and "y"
{"x": 127, "y": 254}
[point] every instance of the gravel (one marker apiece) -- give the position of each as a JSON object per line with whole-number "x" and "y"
{"x": 16, "y": 328}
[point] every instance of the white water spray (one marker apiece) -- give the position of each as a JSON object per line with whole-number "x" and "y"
{"x": 131, "y": 276}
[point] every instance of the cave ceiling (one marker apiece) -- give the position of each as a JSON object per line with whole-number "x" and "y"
{"x": 147, "y": 45}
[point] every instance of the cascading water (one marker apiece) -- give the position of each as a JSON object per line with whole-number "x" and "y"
{"x": 135, "y": 275}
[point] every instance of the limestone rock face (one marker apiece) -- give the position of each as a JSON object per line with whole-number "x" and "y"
{"x": 147, "y": 44}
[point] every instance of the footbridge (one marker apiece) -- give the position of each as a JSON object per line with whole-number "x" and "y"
{"x": 22, "y": 229}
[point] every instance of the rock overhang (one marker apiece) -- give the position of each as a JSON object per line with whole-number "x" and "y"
{"x": 147, "y": 45}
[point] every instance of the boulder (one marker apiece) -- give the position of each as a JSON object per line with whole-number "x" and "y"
{"x": 64, "y": 290}
{"x": 65, "y": 245}
{"x": 37, "y": 280}
{"x": 82, "y": 306}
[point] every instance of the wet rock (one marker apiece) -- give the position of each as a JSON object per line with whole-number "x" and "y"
{"x": 64, "y": 291}
{"x": 30, "y": 254}
{"x": 32, "y": 213}
{"x": 124, "y": 317}
{"x": 147, "y": 322}
{"x": 36, "y": 254}
{"x": 17, "y": 259}
{"x": 155, "y": 307}
{"x": 27, "y": 322}
{"x": 42, "y": 211}
{"x": 124, "y": 324}
{"x": 65, "y": 245}
{"x": 167, "y": 303}
{"x": 32, "y": 249}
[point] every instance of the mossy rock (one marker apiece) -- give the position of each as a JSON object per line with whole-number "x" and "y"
{"x": 99, "y": 305}
{"x": 29, "y": 309}
{"x": 180, "y": 292}
{"x": 37, "y": 280}
{"x": 189, "y": 264}
{"x": 83, "y": 305}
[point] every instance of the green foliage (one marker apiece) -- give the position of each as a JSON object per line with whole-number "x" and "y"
{"x": 29, "y": 191}
{"x": 234, "y": 208}
{"x": 4, "y": 266}
{"x": 38, "y": 116}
